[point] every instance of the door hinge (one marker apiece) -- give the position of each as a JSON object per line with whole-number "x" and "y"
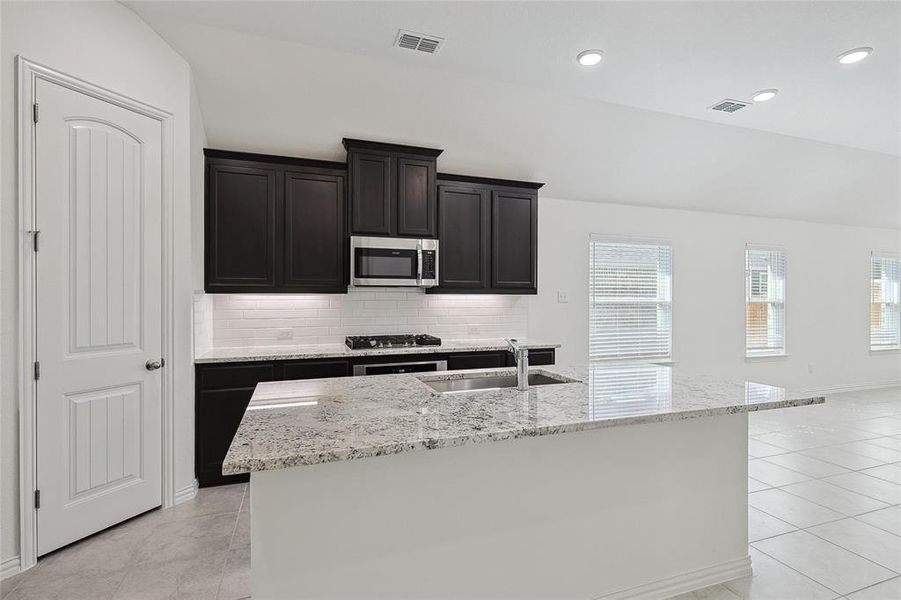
{"x": 34, "y": 112}
{"x": 37, "y": 499}
{"x": 36, "y": 233}
{"x": 37, "y": 370}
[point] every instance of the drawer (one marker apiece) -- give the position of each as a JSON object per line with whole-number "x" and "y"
{"x": 313, "y": 369}
{"x": 234, "y": 375}
{"x": 477, "y": 360}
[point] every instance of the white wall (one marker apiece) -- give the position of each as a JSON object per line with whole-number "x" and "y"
{"x": 106, "y": 44}
{"x": 827, "y": 293}
{"x": 257, "y": 320}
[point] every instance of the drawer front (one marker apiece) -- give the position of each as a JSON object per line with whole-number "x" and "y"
{"x": 544, "y": 356}
{"x": 234, "y": 375}
{"x": 312, "y": 369}
{"x": 477, "y": 360}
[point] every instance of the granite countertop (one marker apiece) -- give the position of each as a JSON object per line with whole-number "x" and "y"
{"x": 255, "y": 353}
{"x": 293, "y": 423}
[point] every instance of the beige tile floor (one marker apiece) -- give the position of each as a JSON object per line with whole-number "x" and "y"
{"x": 824, "y": 490}
{"x": 199, "y": 550}
{"x": 824, "y": 522}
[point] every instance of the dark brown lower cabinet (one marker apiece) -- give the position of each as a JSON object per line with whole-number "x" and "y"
{"x": 223, "y": 390}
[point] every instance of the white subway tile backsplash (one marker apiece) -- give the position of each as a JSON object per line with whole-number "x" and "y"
{"x": 224, "y": 320}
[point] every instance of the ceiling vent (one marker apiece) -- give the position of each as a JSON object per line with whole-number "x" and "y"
{"x": 730, "y": 106}
{"x": 418, "y": 41}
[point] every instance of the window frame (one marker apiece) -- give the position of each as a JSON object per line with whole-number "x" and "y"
{"x": 751, "y": 354}
{"x": 638, "y": 241}
{"x": 874, "y": 254}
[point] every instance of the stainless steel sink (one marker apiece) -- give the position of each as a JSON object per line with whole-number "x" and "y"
{"x": 488, "y": 382}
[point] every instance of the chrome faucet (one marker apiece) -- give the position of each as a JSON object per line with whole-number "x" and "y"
{"x": 522, "y": 363}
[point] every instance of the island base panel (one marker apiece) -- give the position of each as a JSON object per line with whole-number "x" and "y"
{"x": 642, "y": 511}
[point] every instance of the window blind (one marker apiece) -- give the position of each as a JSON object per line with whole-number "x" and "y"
{"x": 764, "y": 301}
{"x": 630, "y": 300}
{"x": 885, "y": 302}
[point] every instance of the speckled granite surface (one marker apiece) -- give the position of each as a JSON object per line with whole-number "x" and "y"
{"x": 252, "y": 353}
{"x": 292, "y": 423}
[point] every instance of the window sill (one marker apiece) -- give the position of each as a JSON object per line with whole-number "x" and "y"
{"x": 887, "y": 349}
{"x": 765, "y": 357}
{"x": 620, "y": 361}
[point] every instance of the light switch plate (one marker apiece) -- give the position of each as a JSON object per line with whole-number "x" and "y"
{"x": 562, "y": 298}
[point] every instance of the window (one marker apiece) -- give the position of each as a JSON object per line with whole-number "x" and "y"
{"x": 764, "y": 302}
{"x": 885, "y": 302}
{"x": 630, "y": 300}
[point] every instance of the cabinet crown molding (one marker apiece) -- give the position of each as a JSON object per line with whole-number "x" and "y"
{"x": 354, "y": 144}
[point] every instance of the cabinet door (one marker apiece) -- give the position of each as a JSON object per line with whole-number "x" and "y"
{"x": 416, "y": 197}
{"x": 218, "y": 414}
{"x": 514, "y": 240}
{"x": 240, "y": 228}
{"x": 314, "y": 249}
{"x": 463, "y": 224}
{"x": 370, "y": 193}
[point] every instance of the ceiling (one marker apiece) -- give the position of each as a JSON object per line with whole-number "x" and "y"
{"x": 504, "y": 95}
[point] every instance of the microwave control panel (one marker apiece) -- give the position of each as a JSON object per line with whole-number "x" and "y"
{"x": 428, "y": 264}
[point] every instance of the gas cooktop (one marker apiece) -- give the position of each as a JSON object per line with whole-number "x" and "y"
{"x": 362, "y": 342}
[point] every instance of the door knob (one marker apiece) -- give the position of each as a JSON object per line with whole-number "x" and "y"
{"x": 153, "y": 365}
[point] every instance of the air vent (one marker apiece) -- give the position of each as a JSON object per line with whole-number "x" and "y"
{"x": 729, "y": 106}
{"x": 418, "y": 41}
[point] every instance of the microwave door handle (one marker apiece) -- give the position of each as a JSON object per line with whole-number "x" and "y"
{"x": 419, "y": 262}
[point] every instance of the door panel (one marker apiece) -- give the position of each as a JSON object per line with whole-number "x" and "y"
{"x": 99, "y": 314}
{"x": 314, "y": 231}
{"x": 415, "y": 197}
{"x": 514, "y": 238}
{"x": 103, "y": 237}
{"x": 463, "y": 231}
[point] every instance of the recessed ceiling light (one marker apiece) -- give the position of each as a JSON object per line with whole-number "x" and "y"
{"x": 852, "y": 56}
{"x": 588, "y": 58}
{"x": 764, "y": 95}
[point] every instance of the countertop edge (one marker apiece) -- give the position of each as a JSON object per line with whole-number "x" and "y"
{"x": 237, "y": 467}
{"x": 266, "y": 353}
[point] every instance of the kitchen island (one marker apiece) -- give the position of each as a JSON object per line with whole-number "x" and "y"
{"x": 623, "y": 481}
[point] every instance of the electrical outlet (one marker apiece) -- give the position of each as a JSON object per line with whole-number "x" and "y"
{"x": 285, "y": 334}
{"x": 562, "y": 298}
{"x": 810, "y": 368}
{"x": 472, "y": 330}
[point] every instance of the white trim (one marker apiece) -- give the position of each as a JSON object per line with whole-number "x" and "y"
{"x": 10, "y": 567}
{"x": 860, "y": 387}
{"x": 685, "y": 582}
{"x": 28, "y": 74}
{"x": 186, "y": 493}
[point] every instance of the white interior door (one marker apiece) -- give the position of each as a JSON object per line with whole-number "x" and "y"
{"x": 98, "y": 314}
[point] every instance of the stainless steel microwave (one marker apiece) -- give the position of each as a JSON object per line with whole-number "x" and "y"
{"x": 391, "y": 261}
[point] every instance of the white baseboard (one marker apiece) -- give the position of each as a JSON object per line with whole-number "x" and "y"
{"x": 687, "y": 582}
{"x": 860, "y": 387}
{"x": 186, "y": 493}
{"x": 10, "y": 567}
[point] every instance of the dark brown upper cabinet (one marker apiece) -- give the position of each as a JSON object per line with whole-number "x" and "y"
{"x": 392, "y": 189}
{"x": 464, "y": 230}
{"x": 514, "y": 240}
{"x": 488, "y": 231}
{"x": 314, "y": 230}
{"x": 274, "y": 224}
{"x": 240, "y": 227}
